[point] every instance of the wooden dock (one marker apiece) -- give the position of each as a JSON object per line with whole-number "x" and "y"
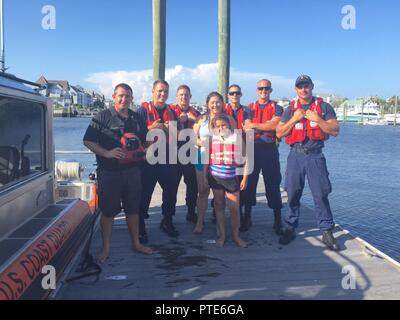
{"x": 192, "y": 267}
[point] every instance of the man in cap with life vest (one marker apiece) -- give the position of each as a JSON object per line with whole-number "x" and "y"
{"x": 187, "y": 117}
{"x": 306, "y": 124}
{"x": 116, "y": 136}
{"x": 159, "y": 115}
{"x": 266, "y": 116}
{"x": 242, "y": 116}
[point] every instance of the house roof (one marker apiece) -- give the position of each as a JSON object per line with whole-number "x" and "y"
{"x": 42, "y": 80}
{"x": 77, "y": 89}
{"x": 62, "y": 83}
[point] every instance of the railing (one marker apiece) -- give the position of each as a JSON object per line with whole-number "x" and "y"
{"x": 73, "y": 152}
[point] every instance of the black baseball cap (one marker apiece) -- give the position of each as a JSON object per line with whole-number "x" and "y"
{"x": 302, "y": 79}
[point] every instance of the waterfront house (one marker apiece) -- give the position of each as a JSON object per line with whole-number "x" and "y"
{"x": 98, "y": 100}
{"x": 78, "y": 96}
{"x": 58, "y": 91}
{"x": 85, "y": 100}
{"x": 88, "y": 98}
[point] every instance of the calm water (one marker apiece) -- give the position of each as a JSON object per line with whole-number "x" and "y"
{"x": 364, "y": 166}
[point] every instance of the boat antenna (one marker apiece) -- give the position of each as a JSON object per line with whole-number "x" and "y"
{"x": 2, "y": 55}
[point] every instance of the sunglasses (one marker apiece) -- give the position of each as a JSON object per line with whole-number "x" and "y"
{"x": 264, "y": 88}
{"x": 304, "y": 86}
{"x": 235, "y": 93}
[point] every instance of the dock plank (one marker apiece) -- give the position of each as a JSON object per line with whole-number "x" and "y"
{"x": 190, "y": 267}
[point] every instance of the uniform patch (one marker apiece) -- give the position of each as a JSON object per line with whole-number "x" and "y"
{"x": 299, "y": 126}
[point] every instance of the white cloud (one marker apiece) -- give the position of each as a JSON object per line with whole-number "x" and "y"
{"x": 202, "y": 80}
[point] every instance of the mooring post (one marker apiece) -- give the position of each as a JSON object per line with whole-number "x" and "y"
{"x": 159, "y": 26}
{"x": 224, "y": 26}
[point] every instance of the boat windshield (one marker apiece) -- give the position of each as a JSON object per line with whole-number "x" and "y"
{"x": 22, "y": 140}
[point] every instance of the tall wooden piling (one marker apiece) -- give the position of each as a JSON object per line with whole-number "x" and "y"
{"x": 224, "y": 26}
{"x": 159, "y": 39}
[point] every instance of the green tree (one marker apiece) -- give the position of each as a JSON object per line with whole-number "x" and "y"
{"x": 390, "y": 104}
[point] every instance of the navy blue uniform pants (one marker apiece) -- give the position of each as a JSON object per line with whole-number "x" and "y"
{"x": 189, "y": 177}
{"x": 165, "y": 175}
{"x": 266, "y": 160}
{"x": 300, "y": 165}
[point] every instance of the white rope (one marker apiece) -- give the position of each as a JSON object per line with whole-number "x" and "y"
{"x": 68, "y": 170}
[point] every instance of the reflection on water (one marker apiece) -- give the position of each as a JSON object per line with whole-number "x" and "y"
{"x": 364, "y": 166}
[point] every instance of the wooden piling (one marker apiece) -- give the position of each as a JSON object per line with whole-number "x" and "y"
{"x": 159, "y": 39}
{"x": 224, "y": 22}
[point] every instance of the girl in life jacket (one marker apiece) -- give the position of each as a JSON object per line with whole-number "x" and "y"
{"x": 306, "y": 128}
{"x": 222, "y": 175}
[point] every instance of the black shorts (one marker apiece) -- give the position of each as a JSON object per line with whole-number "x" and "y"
{"x": 119, "y": 187}
{"x": 230, "y": 185}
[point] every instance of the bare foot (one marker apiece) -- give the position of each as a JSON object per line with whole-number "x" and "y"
{"x": 220, "y": 241}
{"x": 198, "y": 229}
{"x": 142, "y": 249}
{"x": 102, "y": 257}
{"x": 241, "y": 243}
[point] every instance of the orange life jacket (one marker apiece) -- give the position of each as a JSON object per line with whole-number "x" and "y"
{"x": 190, "y": 111}
{"x": 152, "y": 116}
{"x": 306, "y": 128}
{"x": 262, "y": 116}
{"x": 152, "y": 113}
{"x": 229, "y": 110}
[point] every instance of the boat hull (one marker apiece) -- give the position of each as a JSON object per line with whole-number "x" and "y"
{"x": 22, "y": 276}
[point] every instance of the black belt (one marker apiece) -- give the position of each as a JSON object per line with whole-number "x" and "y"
{"x": 305, "y": 150}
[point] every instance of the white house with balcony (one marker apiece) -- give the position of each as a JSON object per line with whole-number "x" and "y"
{"x": 57, "y": 90}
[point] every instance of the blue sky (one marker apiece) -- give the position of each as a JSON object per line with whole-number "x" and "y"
{"x": 99, "y": 43}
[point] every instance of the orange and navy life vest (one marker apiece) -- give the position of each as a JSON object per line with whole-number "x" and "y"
{"x": 133, "y": 149}
{"x": 152, "y": 116}
{"x": 225, "y": 151}
{"x": 240, "y": 116}
{"x": 152, "y": 113}
{"x": 189, "y": 124}
{"x": 306, "y": 128}
{"x": 262, "y": 116}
